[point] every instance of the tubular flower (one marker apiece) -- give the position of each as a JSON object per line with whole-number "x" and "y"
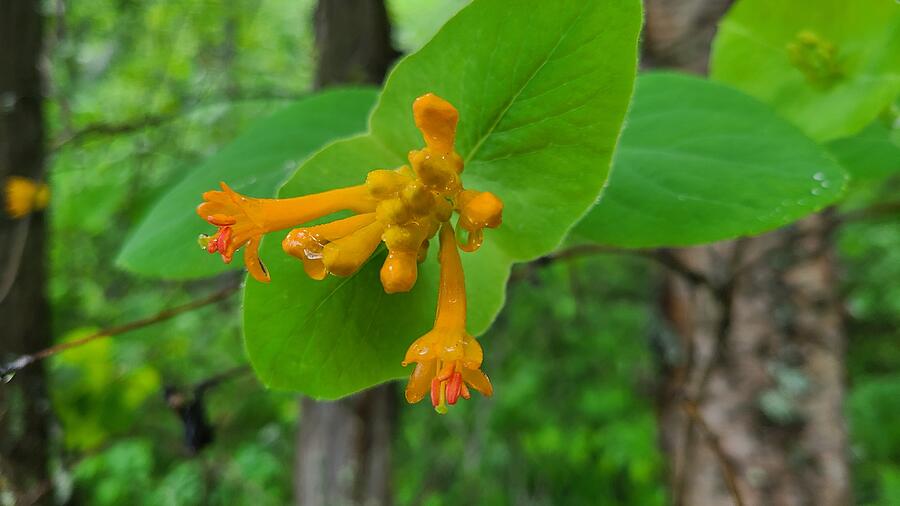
{"x": 404, "y": 208}
{"x": 242, "y": 221}
{"x": 448, "y": 359}
{"x": 25, "y": 196}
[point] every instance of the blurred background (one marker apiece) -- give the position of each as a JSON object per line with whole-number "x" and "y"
{"x": 135, "y": 94}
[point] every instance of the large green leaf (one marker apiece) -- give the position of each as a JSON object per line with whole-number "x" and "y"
{"x": 542, "y": 88}
{"x": 164, "y": 244}
{"x": 760, "y": 49}
{"x": 871, "y": 154}
{"x": 700, "y": 162}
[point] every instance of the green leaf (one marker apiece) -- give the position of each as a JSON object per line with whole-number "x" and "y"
{"x": 164, "y": 244}
{"x": 830, "y": 66}
{"x": 871, "y": 154}
{"x": 542, "y": 89}
{"x": 700, "y": 162}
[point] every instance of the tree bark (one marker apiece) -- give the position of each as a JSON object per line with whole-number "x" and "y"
{"x": 343, "y": 454}
{"x": 353, "y": 41}
{"x": 752, "y": 388}
{"x": 344, "y": 450}
{"x": 24, "y": 313}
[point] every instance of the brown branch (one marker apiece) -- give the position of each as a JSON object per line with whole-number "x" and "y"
{"x": 217, "y": 379}
{"x": 150, "y": 121}
{"x": 663, "y": 257}
{"x": 880, "y": 210}
{"x": 10, "y": 368}
{"x": 125, "y": 127}
{"x": 690, "y": 408}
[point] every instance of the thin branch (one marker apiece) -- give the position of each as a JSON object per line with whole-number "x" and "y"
{"x": 662, "y": 256}
{"x": 728, "y": 473}
{"x": 10, "y": 368}
{"x": 17, "y": 248}
{"x": 218, "y": 379}
{"x": 880, "y": 210}
{"x": 125, "y": 127}
{"x": 136, "y": 125}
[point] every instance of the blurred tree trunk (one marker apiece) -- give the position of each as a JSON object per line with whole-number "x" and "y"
{"x": 750, "y": 403}
{"x": 353, "y": 41}
{"x": 24, "y": 314}
{"x": 343, "y": 452}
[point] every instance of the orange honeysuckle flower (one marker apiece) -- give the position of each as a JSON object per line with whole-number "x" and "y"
{"x": 244, "y": 220}
{"x": 404, "y": 208}
{"x": 25, "y": 196}
{"x": 448, "y": 359}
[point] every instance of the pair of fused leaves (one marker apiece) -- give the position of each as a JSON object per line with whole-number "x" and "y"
{"x": 542, "y": 90}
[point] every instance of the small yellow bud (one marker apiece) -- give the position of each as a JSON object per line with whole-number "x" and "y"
{"x": 392, "y": 212}
{"x": 417, "y": 198}
{"x": 385, "y": 183}
{"x": 399, "y": 272}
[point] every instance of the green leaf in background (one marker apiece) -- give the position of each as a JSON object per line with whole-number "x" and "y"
{"x": 164, "y": 244}
{"x": 871, "y": 154}
{"x": 830, "y": 66}
{"x": 537, "y": 127}
{"x": 700, "y": 162}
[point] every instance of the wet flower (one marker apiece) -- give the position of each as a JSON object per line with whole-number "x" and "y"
{"x": 448, "y": 359}
{"x": 404, "y": 208}
{"x": 242, "y": 221}
{"x": 25, "y": 196}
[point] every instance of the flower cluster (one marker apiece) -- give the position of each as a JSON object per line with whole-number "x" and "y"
{"x": 25, "y": 196}
{"x": 404, "y": 208}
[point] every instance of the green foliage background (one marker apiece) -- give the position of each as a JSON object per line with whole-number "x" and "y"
{"x": 185, "y": 78}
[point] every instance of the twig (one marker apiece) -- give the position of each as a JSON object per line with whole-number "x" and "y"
{"x": 662, "y": 256}
{"x": 115, "y": 128}
{"x": 690, "y": 408}
{"x": 150, "y": 121}
{"x": 166, "y": 314}
{"x": 880, "y": 210}
{"x": 217, "y": 379}
{"x": 20, "y": 238}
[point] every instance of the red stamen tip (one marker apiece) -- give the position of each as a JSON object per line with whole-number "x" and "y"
{"x": 454, "y": 387}
{"x": 222, "y": 240}
{"x": 212, "y": 245}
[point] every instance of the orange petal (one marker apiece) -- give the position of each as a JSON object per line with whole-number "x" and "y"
{"x": 478, "y": 380}
{"x": 254, "y": 265}
{"x": 420, "y": 381}
{"x": 422, "y": 349}
{"x": 472, "y": 353}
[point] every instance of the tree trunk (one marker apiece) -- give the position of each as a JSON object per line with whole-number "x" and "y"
{"x": 24, "y": 314}
{"x": 343, "y": 452}
{"x": 750, "y": 401}
{"x": 353, "y": 41}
